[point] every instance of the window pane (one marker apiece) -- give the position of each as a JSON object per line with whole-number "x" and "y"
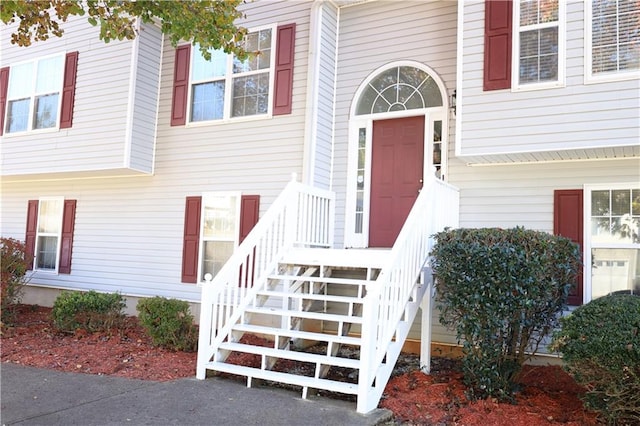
{"x": 49, "y": 75}
{"x": 614, "y": 41}
{"x": 614, "y": 270}
{"x": 207, "y": 101}
{"x": 621, "y": 202}
{"x": 46, "y": 255}
{"x": 206, "y": 70}
{"x": 220, "y": 217}
{"x": 260, "y": 43}
{"x": 215, "y": 255}
{"x": 250, "y": 95}
{"x": 18, "y": 115}
{"x": 635, "y": 202}
{"x": 600, "y": 203}
{"x": 50, "y": 216}
{"x": 46, "y": 111}
{"x": 20, "y": 81}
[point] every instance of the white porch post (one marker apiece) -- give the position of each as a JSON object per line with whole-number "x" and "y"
{"x": 427, "y": 307}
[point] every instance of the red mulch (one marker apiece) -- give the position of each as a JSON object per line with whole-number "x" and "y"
{"x": 549, "y": 395}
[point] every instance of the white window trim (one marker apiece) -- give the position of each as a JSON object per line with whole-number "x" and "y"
{"x": 236, "y": 238}
{"x": 515, "y": 53}
{"x": 58, "y": 235}
{"x": 228, "y": 87}
{"x": 29, "y": 130}
{"x": 589, "y": 77}
{"x": 356, "y": 122}
{"x": 588, "y": 245}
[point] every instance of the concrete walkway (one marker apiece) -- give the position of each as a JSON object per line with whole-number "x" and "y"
{"x": 32, "y": 396}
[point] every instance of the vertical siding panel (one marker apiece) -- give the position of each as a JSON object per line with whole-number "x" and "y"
{"x": 180, "y": 85}
{"x": 497, "y": 44}
{"x": 568, "y": 222}
{"x": 68, "y": 90}
{"x": 283, "y": 85}
{"x": 30, "y": 237}
{"x": 66, "y": 246}
{"x": 4, "y": 88}
{"x": 191, "y": 240}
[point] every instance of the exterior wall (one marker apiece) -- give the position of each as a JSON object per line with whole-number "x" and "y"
{"x": 374, "y": 34}
{"x": 320, "y": 110}
{"x": 561, "y": 121}
{"x": 102, "y": 90}
{"x": 129, "y": 230}
{"x": 146, "y": 82}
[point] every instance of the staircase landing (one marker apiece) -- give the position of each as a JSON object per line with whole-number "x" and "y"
{"x": 342, "y": 258}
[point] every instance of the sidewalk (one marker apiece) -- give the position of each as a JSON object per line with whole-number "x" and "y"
{"x": 31, "y": 396}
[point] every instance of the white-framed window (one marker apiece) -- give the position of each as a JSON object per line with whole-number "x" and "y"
{"x": 612, "y": 40}
{"x": 225, "y": 87}
{"x": 612, "y": 233}
{"x": 48, "y": 234}
{"x": 34, "y": 94}
{"x": 538, "y": 45}
{"x": 219, "y": 231}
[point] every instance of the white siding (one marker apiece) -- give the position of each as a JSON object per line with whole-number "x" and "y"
{"x": 374, "y": 34}
{"x": 322, "y": 145}
{"x": 567, "y": 120}
{"x": 129, "y": 231}
{"x": 145, "y": 98}
{"x": 102, "y": 90}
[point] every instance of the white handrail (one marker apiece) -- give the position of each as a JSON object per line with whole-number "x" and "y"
{"x": 435, "y": 208}
{"x": 301, "y": 216}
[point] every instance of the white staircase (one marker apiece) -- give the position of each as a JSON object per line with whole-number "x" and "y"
{"x": 285, "y": 283}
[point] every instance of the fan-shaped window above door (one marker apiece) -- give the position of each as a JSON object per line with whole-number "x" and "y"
{"x": 398, "y": 89}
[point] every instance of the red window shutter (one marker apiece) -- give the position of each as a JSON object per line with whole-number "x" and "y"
{"x": 285, "y": 47}
{"x": 30, "y": 238}
{"x": 4, "y": 89}
{"x": 66, "y": 246}
{"x": 68, "y": 90}
{"x": 497, "y": 44}
{"x": 180, "y": 86}
{"x": 191, "y": 242}
{"x": 249, "y": 211}
{"x": 568, "y": 222}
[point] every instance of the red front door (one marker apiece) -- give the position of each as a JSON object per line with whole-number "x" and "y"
{"x": 396, "y": 176}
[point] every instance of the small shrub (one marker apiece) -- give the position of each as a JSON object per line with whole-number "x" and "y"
{"x": 169, "y": 323}
{"x": 13, "y": 270}
{"x": 91, "y": 311}
{"x": 502, "y": 290}
{"x": 600, "y": 346}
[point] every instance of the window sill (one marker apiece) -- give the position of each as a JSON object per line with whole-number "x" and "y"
{"x": 537, "y": 86}
{"x": 229, "y": 120}
{"x": 611, "y": 77}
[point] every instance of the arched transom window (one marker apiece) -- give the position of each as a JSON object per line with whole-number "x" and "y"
{"x": 398, "y": 89}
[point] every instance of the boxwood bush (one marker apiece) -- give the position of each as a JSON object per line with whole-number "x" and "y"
{"x": 600, "y": 346}
{"x": 502, "y": 291}
{"x": 169, "y": 323}
{"x": 91, "y": 311}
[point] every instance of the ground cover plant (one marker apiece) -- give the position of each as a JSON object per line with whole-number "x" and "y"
{"x": 91, "y": 311}
{"x": 502, "y": 291}
{"x": 169, "y": 323}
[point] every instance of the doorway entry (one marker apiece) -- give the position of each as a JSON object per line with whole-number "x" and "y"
{"x": 397, "y": 163}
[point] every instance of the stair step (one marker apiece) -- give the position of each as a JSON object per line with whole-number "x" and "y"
{"x": 328, "y": 280}
{"x": 321, "y": 316}
{"x": 290, "y": 379}
{"x": 343, "y": 258}
{"x": 292, "y": 355}
{"x": 312, "y": 296}
{"x": 298, "y": 334}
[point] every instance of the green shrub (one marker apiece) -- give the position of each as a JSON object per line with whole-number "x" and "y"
{"x": 90, "y": 311}
{"x": 502, "y": 290}
{"x": 13, "y": 264}
{"x": 169, "y": 323}
{"x": 600, "y": 346}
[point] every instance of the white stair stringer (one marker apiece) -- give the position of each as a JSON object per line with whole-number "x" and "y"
{"x": 297, "y": 293}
